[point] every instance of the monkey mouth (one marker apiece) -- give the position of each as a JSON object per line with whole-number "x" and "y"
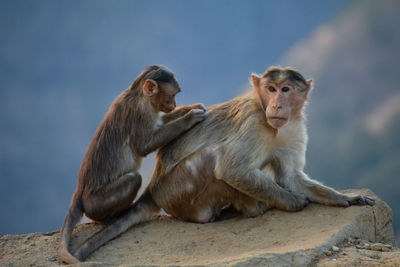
{"x": 277, "y": 122}
{"x": 278, "y": 118}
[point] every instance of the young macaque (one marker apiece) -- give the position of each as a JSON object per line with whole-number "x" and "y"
{"x": 140, "y": 120}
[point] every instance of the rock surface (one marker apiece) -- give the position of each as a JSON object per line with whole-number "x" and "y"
{"x": 350, "y": 255}
{"x": 276, "y": 238}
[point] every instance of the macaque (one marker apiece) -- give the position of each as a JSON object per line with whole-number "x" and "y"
{"x": 248, "y": 154}
{"x": 141, "y": 119}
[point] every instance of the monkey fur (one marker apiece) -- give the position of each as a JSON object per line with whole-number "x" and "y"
{"x": 249, "y": 153}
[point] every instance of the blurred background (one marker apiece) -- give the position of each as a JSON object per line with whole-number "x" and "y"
{"x": 62, "y": 63}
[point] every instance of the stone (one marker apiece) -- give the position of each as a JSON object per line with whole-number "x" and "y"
{"x": 328, "y": 253}
{"x": 380, "y": 247}
{"x": 275, "y": 238}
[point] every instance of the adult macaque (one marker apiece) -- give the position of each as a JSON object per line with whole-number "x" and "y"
{"x": 133, "y": 127}
{"x": 249, "y": 153}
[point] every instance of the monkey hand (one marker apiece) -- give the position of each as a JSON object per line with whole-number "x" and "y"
{"x": 197, "y": 106}
{"x": 193, "y": 117}
{"x": 185, "y": 109}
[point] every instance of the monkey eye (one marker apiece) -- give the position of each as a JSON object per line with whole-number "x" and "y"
{"x": 285, "y": 89}
{"x": 271, "y": 89}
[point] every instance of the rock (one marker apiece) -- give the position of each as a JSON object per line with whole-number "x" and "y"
{"x": 335, "y": 249}
{"x": 380, "y": 247}
{"x": 362, "y": 246}
{"x": 275, "y": 238}
{"x": 363, "y": 257}
{"x": 328, "y": 253}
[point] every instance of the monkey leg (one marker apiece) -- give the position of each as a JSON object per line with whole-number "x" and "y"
{"x": 250, "y": 207}
{"x": 139, "y": 212}
{"x": 110, "y": 200}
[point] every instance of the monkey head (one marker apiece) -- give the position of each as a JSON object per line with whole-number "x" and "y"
{"x": 282, "y": 94}
{"x": 159, "y": 86}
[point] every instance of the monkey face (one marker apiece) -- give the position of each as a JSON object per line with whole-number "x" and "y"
{"x": 277, "y": 100}
{"x": 281, "y": 98}
{"x": 161, "y": 95}
{"x": 165, "y": 99}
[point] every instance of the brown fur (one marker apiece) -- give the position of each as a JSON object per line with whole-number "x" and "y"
{"x": 133, "y": 127}
{"x": 235, "y": 157}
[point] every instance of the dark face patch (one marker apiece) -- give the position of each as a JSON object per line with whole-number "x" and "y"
{"x": 275, "y": 74}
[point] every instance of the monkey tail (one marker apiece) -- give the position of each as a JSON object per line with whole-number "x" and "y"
{"x": 74, "y": 215}
{"x": 139, "y": 212}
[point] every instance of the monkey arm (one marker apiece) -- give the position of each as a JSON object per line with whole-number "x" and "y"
{"x": 320, "y": 193}
{"x": 170, "y": 131}
{"x": 180, "y": 111}
{"x": 161, "y": 137}
{"x": 259, "y": 185}
{"x": 292, "y": 177}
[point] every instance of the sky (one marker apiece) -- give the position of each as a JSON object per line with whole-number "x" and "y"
{"x": 63, "y": 62}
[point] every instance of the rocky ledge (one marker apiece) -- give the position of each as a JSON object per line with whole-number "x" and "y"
{"x": 318, "y": 235}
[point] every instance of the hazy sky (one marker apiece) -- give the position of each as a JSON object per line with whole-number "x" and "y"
{"x": 63, "y": 62}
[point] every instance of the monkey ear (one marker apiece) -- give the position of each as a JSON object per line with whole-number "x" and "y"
{"x": 255, "y": 80}
{"x": 310, "y": 86}
{"x": 150, "y": 87}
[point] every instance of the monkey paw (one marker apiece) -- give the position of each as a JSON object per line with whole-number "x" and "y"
{"x": 195, "y": 116}
{"x": 198, "y": 106}
{"x": 353, "y": 199}
{"x": 361, "y": 200}
{"x": 296, "y": 202}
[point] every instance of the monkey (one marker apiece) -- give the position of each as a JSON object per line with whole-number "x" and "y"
{"x": 248, "y": 154}
{"x": 141, "y": 119}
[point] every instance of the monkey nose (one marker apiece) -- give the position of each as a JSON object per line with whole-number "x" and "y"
{"x": 277, "y": 107}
